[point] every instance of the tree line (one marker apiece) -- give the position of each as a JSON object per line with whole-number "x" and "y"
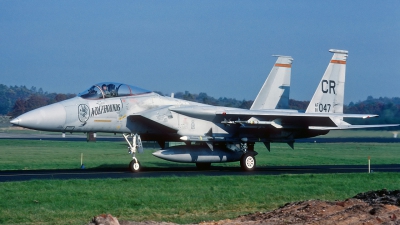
{"x": 16, "y": 100}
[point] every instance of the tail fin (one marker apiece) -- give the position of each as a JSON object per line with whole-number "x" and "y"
{"x": 275, "y": 91}
{"x": 329, "y": 96}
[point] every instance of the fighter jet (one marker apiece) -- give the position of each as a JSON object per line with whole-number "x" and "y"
{"x": 211, "y": 134}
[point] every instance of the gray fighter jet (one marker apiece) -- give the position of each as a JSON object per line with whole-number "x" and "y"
{"x": 211, "y": 134}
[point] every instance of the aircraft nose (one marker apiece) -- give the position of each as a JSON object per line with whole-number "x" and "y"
{"x": 15, "y": 121}
{"x": 51, "y": 118}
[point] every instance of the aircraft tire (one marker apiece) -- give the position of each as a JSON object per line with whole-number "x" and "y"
{"x": 203, "y": 166}
{"x": 248, "y": 162}
{"x": 134, "y": 166}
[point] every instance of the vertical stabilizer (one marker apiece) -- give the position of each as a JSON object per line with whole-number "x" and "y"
{"x": 275, "y": 91}
{"x": 329, "y": 96}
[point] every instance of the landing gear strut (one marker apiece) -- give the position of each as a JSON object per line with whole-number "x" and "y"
{"x": 135, "y": 146}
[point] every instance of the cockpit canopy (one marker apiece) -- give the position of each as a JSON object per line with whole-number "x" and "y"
{"x": 111, "y": 90}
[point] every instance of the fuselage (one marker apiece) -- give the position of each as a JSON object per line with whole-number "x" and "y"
{"x": 151, "y": 115}
{"x": 95, "y": 115}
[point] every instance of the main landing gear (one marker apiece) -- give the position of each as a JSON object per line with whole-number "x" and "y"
{"x": 248, "y": 160}
{"x": 135, "y": 146}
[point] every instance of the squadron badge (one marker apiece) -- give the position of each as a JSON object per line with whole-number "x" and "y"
{"x": 83, "y": 112}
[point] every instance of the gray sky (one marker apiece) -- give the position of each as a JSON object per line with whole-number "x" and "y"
{"x": 222, "y": 48}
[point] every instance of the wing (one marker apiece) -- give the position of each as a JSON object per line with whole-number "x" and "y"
{"x": 153, "y": 124}
{"x": 290, "y": 119}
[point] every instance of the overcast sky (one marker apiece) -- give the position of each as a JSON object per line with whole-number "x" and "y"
{"x": 222, "y": 48}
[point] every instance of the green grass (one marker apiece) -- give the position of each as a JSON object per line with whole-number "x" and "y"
{"x": 359, "y": 134}
{"x": 40, "y": 154}
{"x": 177, "y": 199}
{"x": 36, "y": 154}
{"x": 331, "y": 154}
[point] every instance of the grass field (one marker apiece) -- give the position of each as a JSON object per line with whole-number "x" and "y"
{"x": 177, "y": 199}
{"x": 27, "y": 155}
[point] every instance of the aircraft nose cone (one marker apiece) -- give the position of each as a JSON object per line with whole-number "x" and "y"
{"x": 51, "y": 118}
{"x": 15, "y": 121}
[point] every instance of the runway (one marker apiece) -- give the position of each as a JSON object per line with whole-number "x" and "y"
{"x": 149, "y": 172}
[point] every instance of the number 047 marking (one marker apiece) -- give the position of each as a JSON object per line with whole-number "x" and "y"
{"x": 319, "y": 107}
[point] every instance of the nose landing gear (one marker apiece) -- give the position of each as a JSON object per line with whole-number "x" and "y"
{"x": 134, "y": 165}
{"x": 135, "y": 146}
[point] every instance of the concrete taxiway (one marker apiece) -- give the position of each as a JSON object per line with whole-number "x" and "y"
{"x": 147, "y": 172}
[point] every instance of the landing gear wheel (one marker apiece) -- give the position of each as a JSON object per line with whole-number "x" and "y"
{"x": 248, "y": 162}
{"x": 203, "y": 166}
{"x": 134, "y": 166}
